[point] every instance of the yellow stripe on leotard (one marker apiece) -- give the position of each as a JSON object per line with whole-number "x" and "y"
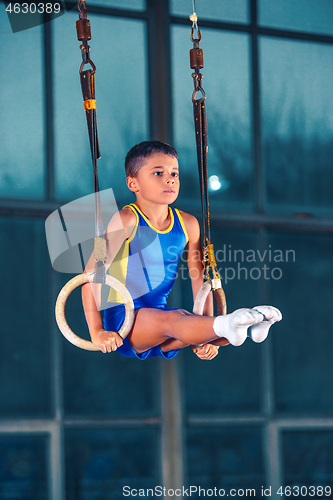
{"x": 118, "y": 267}
{"x": 165, "y": 231}
{"x": 182, "y": 223}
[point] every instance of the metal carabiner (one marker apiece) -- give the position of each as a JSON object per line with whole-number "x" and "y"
{"x": 85, "y": 52}
{"x": 197, "y": 78}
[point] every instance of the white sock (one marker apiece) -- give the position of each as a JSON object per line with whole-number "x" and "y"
{"x": 234, "y": 326}
{"x": 271, "y": 314}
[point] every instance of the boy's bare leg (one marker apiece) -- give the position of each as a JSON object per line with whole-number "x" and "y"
{"x": 177, "y": 329}
{"x": 171, "y": 344}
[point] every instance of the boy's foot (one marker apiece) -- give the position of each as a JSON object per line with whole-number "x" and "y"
{"x": 234, "y": 326}
{"x": 259, "y": 331}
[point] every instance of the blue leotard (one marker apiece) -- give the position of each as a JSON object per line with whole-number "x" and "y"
{"x": 146, "y": 264}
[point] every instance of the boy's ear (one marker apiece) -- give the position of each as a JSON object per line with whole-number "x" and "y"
{"x": 132, "y": 184}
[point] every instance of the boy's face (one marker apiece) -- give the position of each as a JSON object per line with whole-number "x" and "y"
{"x": 157, "y": 180}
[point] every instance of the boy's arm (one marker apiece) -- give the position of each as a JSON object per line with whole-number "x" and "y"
{"x": 194, "y": 260}
{"x": 196, "y": 270}
{"x": 119, "y": 229}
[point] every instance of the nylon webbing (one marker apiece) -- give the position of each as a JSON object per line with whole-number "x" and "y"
{"x": 87, "y": 79}
{"x": 200, "y": 125}
{"x": 201, "y": 137}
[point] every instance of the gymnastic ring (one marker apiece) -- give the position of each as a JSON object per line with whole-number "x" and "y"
{"x": 67, "y": 290}
{"x": 202, "y": 295}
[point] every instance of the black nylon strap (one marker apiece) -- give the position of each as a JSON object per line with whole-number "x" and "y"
{"x": 201, "y": 137}
{"x": 88, "y": 91}
{"x": 205, "y": 167}
{"x": 87, "y": 79}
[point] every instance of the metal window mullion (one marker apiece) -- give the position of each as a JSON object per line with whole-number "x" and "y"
{"x": 160, "y": 100}
{"x": 172, "y": 429}
{"x": 27, "y": 426}
{"x": 56, "y": 484}
{"x": 219, "y": 219}
{"x": 49, "y": 113}
{"x": 112, "y": 423}
{"x": 172, "y": 412}
{"x": 104, "y": 10}
{"x": 271, "y": 434}
{"x": 261, "y": 30}
{"x": 259, "y": 191}
{"x": 304, "y": 423}
{"x": 282, "y": 422}
{"x": 267, "y": 371}
{"x": 56, "y": 451}
{"x": 272, "y": 458}
{"x": 224, "y": 419}
{"x": 56, "y": 473}
{"x": 159, "y": 70}
{"x": 56, "y": 350}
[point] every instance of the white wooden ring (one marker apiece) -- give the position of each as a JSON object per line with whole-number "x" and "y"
{"x": 65, "y": 293}
{"x": 202, "y": 295}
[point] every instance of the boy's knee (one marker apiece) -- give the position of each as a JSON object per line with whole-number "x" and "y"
{"x": 170, "y": 317}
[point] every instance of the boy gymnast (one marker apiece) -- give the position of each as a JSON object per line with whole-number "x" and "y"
{"x": 144, "y": 245}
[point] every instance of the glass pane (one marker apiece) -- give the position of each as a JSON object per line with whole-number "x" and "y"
{"x": 302, "y": 15}
{"x": 297, "y": 120}
{"x": 108, "y": 464}
{"x": 97, "y": 384}
{"x": 240, "y": 366}
{"x": 225, "y": 458}
{"x": 25, "y": 352}
{"x": 121, "y": 4}
{"x": 308, "y": 462}
{"x": 23, "y": 471}
{"x": 228, "y": 10}
{"x": 303, "y": 340}
{"x": 121, "y": 97}
{"x": 22, "y": 137}
{"x": 226, "y": 82}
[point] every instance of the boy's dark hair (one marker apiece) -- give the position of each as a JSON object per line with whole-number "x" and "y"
{"x": 135, "y": 157}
